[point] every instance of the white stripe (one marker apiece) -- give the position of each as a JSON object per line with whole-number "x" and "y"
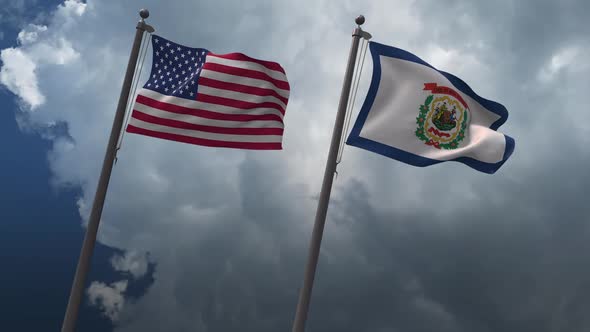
{"x": 244, "y": 81}
{"x": 240, "y": 96}
{"x": 206, "y": 106}
{"x": 277, "y": 75}
{"x": 205, "y": 135}
{"x": 204, "y": 121}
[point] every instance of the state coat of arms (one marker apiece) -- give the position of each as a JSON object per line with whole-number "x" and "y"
{"x": 443, "y": 118}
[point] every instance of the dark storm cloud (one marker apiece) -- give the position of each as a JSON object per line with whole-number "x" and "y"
{"x": 513, "y": 258}
{"x": 518, "y": 35}
{"x": 405, "y": 249}
{"x": 513, "y": 264}
{"x": 508, "y": 259}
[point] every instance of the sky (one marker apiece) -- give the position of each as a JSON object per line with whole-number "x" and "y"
{"x": 201, "y": 239}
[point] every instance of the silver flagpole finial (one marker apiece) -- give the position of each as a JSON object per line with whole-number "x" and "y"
{"x": 360, "y": 20}
{"x": 144, "y": 13}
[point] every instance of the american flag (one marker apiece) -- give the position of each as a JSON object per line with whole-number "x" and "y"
{"x": 219, "y": 100}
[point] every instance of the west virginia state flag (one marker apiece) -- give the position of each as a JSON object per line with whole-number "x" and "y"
{"x": 422, "y": 116}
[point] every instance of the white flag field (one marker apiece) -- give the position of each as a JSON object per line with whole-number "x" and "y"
{"x": 421, "y": 116}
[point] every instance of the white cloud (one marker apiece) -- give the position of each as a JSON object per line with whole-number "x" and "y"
{"x": 108, "y": 298}
{"x": 132, "y": 262}
{"x": 561, "y": 60}
{"x": 39, "y": 48}
{"x": 30, "y": 34}
{"x": 18, "y": 75}
{"x": 71, "y": 8}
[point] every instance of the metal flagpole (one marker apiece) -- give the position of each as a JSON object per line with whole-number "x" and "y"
{"x": 320, "y": 217}
{"x": 92, "y": 229}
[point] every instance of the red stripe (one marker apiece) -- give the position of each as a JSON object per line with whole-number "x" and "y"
{"x": 245, "y": 73}
{"x": 204, "y": 113}
{"x": 245, "y": 105}
{"x": 241, "y": 88}
{"x": 204, "y": 142}
{"x": 243, "y": 57}
{"x": 209, "y": 129}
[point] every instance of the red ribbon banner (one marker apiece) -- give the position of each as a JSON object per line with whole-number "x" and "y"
{"x": 433, "y": 143}
{"x": 444, "y": 90}
{"x": 438, "y": 133}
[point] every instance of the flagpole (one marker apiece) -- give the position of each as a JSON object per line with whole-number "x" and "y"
{"x": 320, "y": 217}
{"x": 77, "y": 290}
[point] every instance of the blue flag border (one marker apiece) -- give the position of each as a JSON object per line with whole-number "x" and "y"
{"x": 354, "y": 139}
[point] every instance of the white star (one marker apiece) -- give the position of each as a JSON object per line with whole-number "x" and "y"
{"x": 166, "y": 55}
{"x": 161, "y": 48}
{"x": 156, "y": 65}
{"x": 183, "y": 72}
{"x": 174, "y": 87}
{"x": 186, "y": 87}
{"x": 149, "y": 84}
{"x": 156, "y": 40}
{"x": 162, "y": 76}
{"x": 174, "y": 69}
{"x": 178, "y": 48}
{"x": 161, "y": 60}
{"x": 168, "y": 73}
{"x": 185, "y": 61}
{"x": 170, "y": 63}
{"x": 154, "y": 76}
{"x": 165, "y": 67}
{"x": 182, "y": 55}
{"x": 193, "y": 82}
{"x": 179, "y": 65}
{"x": 175, "y": 58}
{"x": 157, "y": 53}
{"x": 157, "y": 86}
{"x": 176, "y": 75}
{"x": 166, "y": 89}
{"x": 193, "y": 59}
{"x": 155, "y": 81}
{"x": 171, "y": 51}
{"x": 170, "y": 79}
{"x": 167, "y": 44}
{"x": 179, "y": 82}
{"x": 192, "y": 94}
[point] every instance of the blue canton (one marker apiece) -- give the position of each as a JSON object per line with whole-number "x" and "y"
{"x": 175, "y": 68}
